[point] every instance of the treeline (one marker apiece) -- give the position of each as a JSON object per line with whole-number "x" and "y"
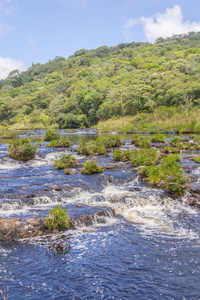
{"x": 95, "y": 85}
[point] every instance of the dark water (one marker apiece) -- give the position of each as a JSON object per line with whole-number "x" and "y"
{"x": 148, "y": 250}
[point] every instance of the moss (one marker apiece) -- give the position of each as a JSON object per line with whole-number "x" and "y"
{"x": 91, "y": 167}
{"x": 22, "y": 149}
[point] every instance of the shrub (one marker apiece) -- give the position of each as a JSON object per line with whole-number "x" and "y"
{"x": 111, "y": 141}
{"x": 93, "y": 147}
{"x": 58, "y": 219}
{"x": 158, "y": 138}
{"x": 143, "y": 157}
{"x": 51, "y": 135}
{"x": 176, "y": 141}
{"x": 119, "y": 155}
{"x": 196, "y": 159}
{"x": 66, "y": 160}
{"x": 22, "y": 149}
{"x": 67, "y": 171}
{"x": 168, "y": 176}
{"x": 197, "y": 139}
{"x": 63, "y": 143}
{"x": 91, "y": 167}
{"x": 142, "y": 142}
{"x": 168, "y": 149}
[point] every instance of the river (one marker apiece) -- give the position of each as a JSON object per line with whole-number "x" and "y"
{"x": 148, "y": 250}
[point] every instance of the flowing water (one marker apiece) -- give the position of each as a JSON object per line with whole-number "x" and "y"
{"x": 148, "y": 250}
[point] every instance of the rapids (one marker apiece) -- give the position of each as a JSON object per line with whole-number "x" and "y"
{"x": 148, "y": 250}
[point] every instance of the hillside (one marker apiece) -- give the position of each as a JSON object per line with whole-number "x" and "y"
{"x": 96, "y": 85}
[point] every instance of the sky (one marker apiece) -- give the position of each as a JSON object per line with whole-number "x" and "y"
{"x": 34, "y": 31}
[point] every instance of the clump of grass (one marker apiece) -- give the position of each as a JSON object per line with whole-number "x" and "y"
{"x": 197, "y": 139}
{"x": 91, "y": 167}
{"x": 141, "y": 141}
{"x": 196, "y": 159}
{"x": 119, "y": 155}
{"x": 51, "y": 135}
{"x": 143, "y": 157}
{"x": 185, "y": 146}
{"x": 176, "y": 141}
{"x": 67, "y": 171}
{"x": 92, "y": 147}
{"x": 22, "y": 149}
{"x": 158, "y": 138}
{"x": 65, "y": 161}
{"x": 58, "y": 219}
{"x": 111, "y": 141}
{"x": 61, "y": 143}
{"x": 168, "y": 175}
{"x": 168, "y": 149}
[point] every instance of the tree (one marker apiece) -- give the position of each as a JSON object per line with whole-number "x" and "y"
{"x": 186, "y": 105}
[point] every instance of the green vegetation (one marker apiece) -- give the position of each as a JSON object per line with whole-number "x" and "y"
{"x": 67, "y": 171}
{"x": 58, "y": 219}
{"x": 168, "y": 149}
{"x": 196, "y": 159}
{"x": 91, "y": 167}
{"x": 22, "y": 149}
{"x": 65, "y": 161}
{"x": 168, "y": 175}
{"x": 176, "y": 141}
{"x": 141, "y": 86}
{"x": 92, "y": 147}
{"x": 144, "y": 157}
{"x": 158, "y": 138}
{"x": 51, "y": 135}
{"x": 61, "y": 143}
{"x": 197, "y": 140}
{"x": 141, "y": 141}
{"x": 111, "y": 141}
{"x": 119, "y": 155}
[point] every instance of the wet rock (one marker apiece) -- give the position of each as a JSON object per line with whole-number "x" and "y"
{"x": 193, "y": 202}
{"x": 11, "y": 230}
{"x": 56, "y": 188}
{"x": 185, "y": 139}
{"x": 116, "y": 166}
{"x": 15, "y": 229}
{"x": 80, "y": 205}
{"x": 159, "y": 145}
{"x": 192, "y": 178}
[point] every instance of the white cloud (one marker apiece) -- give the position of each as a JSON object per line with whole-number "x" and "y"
{"x": 162, "y": 25}
{"x": 8, "y": 64}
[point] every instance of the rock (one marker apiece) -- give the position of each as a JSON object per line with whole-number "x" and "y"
{"x": 80, "y": 205}
{"x": 159, "y": 145}
{"x": 192, "y": 178}
{"x": 11, "y": 230}
{"x": 193, "y": 202}
{"x": 116, "y": 166}
{"x": 56, "y": 188}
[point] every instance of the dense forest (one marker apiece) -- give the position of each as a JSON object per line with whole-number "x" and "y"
{"x": 129, "y": 79}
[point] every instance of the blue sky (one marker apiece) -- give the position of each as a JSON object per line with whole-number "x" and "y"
{"x": 33, "y": 31}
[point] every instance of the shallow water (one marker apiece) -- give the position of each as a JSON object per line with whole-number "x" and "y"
{"x": 148, "y": 250}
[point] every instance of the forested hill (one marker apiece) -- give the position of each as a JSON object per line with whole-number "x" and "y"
{"x": 94, "y": 85}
